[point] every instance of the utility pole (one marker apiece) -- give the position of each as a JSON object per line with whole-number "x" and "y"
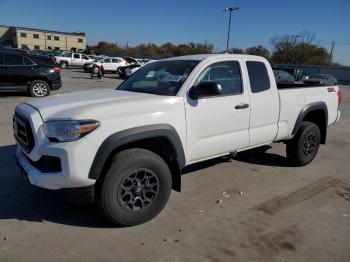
{"x": 229, "y": 9}
{"x": 330, "y": 57}
{"x": 294, "y": 45}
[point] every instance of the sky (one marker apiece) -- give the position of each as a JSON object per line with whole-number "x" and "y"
{"x": 184, "y": 21}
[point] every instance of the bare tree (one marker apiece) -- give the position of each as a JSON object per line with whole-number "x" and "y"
{"x": 298, "y": 49}
{"x": 258, "y": 50}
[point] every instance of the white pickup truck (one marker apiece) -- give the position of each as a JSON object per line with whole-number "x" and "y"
{"x": 125, "y": 148}
{"x": 73, "y": 59}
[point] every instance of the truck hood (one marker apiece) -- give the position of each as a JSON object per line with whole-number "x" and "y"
{"x": 92, "y": 104}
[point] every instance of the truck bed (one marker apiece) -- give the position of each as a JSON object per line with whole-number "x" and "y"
{"x": 297, "y": 85}
{"x": 295, "y": 97}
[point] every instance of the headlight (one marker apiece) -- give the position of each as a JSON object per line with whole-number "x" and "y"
{"x": 67, "y": 130}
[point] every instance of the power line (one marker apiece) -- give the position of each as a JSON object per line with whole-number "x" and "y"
{"x": 341, "y": 43}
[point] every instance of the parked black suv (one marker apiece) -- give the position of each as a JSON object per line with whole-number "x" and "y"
{"x": 24, "y": 72}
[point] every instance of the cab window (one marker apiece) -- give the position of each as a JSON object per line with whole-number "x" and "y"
{"x": 258, "y": 76}
{"x": 227, "y": 74}
{"x": 13, "y": 60}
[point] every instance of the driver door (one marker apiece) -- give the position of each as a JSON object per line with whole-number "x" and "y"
{"x": 218, "y": 125}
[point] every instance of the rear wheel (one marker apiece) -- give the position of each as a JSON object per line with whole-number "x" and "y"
{"x": 302, "y": 149}
{"x": 136, "y": 187}
{"x": 39, "y": 88}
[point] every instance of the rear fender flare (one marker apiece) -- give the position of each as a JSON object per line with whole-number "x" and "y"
{"x": 308, "y": 109}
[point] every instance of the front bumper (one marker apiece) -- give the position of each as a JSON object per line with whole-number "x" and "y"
{"x": 72, "y": 175}
{"x": 53, "y": 165}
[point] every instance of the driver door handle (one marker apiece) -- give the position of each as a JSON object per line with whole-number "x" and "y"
{"x": 242, "y": 106}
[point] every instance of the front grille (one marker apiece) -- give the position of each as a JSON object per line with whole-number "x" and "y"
{"x": 23, "y": 131}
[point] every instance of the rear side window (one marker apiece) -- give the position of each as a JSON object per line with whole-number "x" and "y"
{"x": 13, "y": 60}
{"x": 258, "y": 76}
{"x": 76, "y": 56}
{"x": 27, "y": 61}
{"x": 1, "y": 60}
{"x": 42, "y": 60}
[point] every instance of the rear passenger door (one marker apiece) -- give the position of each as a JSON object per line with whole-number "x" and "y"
{"x": 264, "y": 100}
{"x": 107, "y": 64}
{"x": 218, "y": 125}
{"x": 2, "y": 74}
{"x": 116, "y": 63}
{"x": 15, "y": 72}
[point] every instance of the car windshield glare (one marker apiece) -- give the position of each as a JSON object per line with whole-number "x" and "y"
{"x": 160, "y": 78}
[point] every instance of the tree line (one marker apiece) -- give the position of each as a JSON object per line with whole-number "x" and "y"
{"x": 287, "y": 49}
{"x": 150, "y": 50}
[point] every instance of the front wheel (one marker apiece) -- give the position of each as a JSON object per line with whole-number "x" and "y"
{"x": 63, "y": 64}
{"x": 302, "y": 149}
{"x": 136, "y": 187}
{"x": 39, "y": 88}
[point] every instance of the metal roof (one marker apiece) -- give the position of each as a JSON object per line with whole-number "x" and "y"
{"x": 43, "y": 30}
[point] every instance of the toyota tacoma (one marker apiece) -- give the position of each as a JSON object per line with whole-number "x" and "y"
{"x": 126, "y": 148}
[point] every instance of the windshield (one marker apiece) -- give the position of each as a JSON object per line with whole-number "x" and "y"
{"x": 160, "y": 78}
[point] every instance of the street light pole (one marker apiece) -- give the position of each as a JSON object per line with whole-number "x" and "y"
{"x": 294, "y": 45}
{"x": 230, "y": 9}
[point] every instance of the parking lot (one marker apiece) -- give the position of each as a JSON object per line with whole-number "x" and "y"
{"x": 254, "y": 207}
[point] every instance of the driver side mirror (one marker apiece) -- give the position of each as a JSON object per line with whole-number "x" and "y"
{"x": 205, "y": 89}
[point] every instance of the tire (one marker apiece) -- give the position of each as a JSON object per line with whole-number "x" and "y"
{"x": 63, "y": 65}
{"x": 122, "y": 192}
{"x": 39, "y": 88}
{"x": 302, "y": 149}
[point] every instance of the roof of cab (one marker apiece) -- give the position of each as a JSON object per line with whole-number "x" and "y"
{"x": 201, "y": 57}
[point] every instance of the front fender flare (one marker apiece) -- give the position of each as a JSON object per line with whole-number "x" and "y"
{"x": 116, "y": 140}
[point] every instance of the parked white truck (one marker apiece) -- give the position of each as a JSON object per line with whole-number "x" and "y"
{"x": 73, "y": 59}
{"x": 127, "y": 147}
